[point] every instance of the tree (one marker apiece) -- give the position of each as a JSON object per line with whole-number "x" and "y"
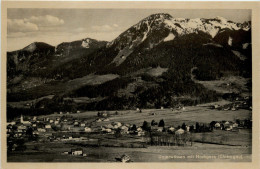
{"x": 183, "y": 126}
{"x": 153, "y": 123}
{"x": 29, "y": 133}
{"x": 197, "y": 127}
{"x": 118, "y": 133}
{"x": 145, "y": 126}
{"x": 161, "y": 123}
{"x": 134, "y": 128}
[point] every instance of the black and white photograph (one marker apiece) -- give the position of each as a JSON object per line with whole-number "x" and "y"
{"x": 128, "y": 85}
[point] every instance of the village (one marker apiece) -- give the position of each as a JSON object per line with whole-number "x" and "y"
{"x": 102, "y": 129}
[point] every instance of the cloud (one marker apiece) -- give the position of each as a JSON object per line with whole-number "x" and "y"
{"x": 20, "y": 25}
{"x": 115, "y": 25}
{"x": 46, "y": 20}
{"x": 80, "y": 29}
{"x": 105, "y": 28}
{"x": 16, "y": 34}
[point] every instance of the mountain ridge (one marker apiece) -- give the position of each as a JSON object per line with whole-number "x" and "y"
{"x": 177, "y": 50}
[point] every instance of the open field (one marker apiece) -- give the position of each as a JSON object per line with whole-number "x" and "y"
{"x": 200, "y": 152}
{"x": 190, "y": 115}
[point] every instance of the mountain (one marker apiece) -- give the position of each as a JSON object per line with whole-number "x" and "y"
{"x": 39, "y": 63}
{"x": 160, "y": 61}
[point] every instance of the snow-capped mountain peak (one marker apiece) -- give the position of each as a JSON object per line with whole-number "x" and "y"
{"x": 162, "y": 27}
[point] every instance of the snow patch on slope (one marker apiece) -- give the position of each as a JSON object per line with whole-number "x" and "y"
{"x": 145, "y": 34}
{"x": 169, "y": 37}
{"x": 85, "y": 43}
{"x": 230, "y": 40}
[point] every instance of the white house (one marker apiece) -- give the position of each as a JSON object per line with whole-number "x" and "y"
{"x": 87, "y": 129}
{"x": 217, "y": 125}
{"x": 82, "y": 124}
{"x": 48, "y": 126}
{"x": 179, "y": 131}
{"x": 171, "y": 129}
{"x": 108, "y": 130}
{"x": 106, "y": 119}
{"x": 139, "y": 129}
{"x": 141, "y": 133}
{"x": 24, "y": 122}
{"x": 41, "y": 130}
{"x": 77, "y": 152}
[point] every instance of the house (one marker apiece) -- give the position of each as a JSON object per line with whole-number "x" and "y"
{"x": 48, "y": 126}
{"x": 216, "y": 106}
{"x": 102, "y": 114}
{"x": 46, "y": 119}
{"x": 235, "y": 127}
{"x": 217, "y": 125}
{"x": 41, "y": 130}
{"x": 171, "y": 129}
{"x": 160, "y": 129}
{"x": 11, "y": 123}
{"x": 76, "y": 123}
{"x": 107, "y": 130}
{"x": 117, "y": 124}
{"x": 21, "y": 127}
{"x": 106, "y": 119}
{"x": 23, "y": 121}
{"x": 139, "y": 129}
{"x": 141, "y": 133}
{"x": 227, "y": 124}
{"x": 56, "y": 122}
{"x": 87, "y": 129}
{"x": 35, "y": 133}
{"x": 109, "y": 126}
{"x": 124, "y": 129}
{"x": 51, "y": 121}
{"x": 98, "y": 120}
{"x": 179, "y": 131}
{"x": 34, "y": 118}
{"x": 82, "y": 124}
{"x": 78, "y": 111}
{"x": 77, "y": 152}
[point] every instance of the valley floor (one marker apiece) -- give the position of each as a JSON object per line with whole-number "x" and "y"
{"x": 218, "y": 145}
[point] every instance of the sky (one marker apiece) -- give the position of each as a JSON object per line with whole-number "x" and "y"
{"x": 54, "y": 26}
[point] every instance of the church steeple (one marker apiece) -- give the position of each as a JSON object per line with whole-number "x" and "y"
{"x": 21, "y": 119}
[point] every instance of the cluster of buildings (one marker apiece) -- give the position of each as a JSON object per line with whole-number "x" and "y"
{"x": 237, "y": 103}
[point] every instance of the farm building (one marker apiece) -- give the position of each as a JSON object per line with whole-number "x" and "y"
{"x": 179, "y": 131}
{"x": 87, "y": 129}
{"x": 77, "y": 152}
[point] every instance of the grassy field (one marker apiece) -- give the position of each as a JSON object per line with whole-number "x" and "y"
{"x": 199, "y": 151}
{"x": 190, "y": 115}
